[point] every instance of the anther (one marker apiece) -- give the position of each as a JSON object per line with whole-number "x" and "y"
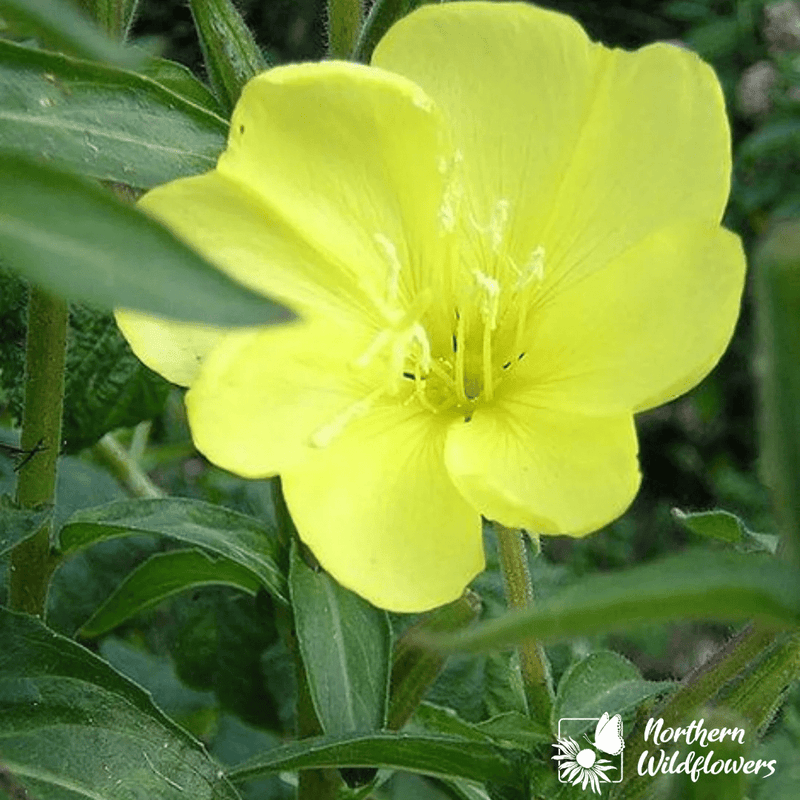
{"x": 395, "y": 267}
{"x": 533, "y": 269}
{"x": 490, "y": 301}
{"x": 322, "y": 437}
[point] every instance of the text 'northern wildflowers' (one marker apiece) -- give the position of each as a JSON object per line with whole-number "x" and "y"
{"x": 502, "y": 241}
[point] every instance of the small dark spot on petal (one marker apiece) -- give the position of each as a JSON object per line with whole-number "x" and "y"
{"x": 455, "y": 344}
{"x": 241, "y": 129}
{"x": 520, "y": 356}
{"x": 507, "y": 365}
{"x": 408, "y": 375}
{"x": 468, "y": 418}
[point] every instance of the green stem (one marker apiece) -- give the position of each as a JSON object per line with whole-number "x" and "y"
{"x": 535, "y": 668}
{"x": 344, "y": 26}
{"x": 31, "y": 564}
{"x": 125, "y": 469}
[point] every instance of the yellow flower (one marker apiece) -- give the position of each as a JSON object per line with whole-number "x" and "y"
{"x": 503, "y": 241}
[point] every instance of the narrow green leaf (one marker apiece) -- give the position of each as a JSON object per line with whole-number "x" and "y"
{"x": 382, "y": 15}
{"x": 344, "y": 24}
{"x": 515, "y": 729}
{"x": 346, "y": 647}
{"x": 778, "y": 297}
{"x": 601, "y": 682}
{"x": 428, "y": 755}
{"x": 164, "y": 575}
{"x": 79, "y": 242}
{"x": 725, "y": 527}
{"x": 696, "y": 584}
{"x": 18, "y": 524}
{"x": 231, "y": 54}
{"x": 510, "y": 729}
{"x": 726, "y": 783}
{"x": 181, "y": 81}
{"x": 103, "y": 122}
{"x": 759, "y": 694}
{"x": 242, "y": 539}
{"x": 60, "y": 26}
{"x": 71, "y": 726}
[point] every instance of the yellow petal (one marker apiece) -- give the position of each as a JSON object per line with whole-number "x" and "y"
{"x": 173, "y": 349}
{"x": 640, "y": 332}
{"x": 514, "y": 82}
{"x": 380, "y": 513}
{"x": 263, "y": 397}
{"x": 238, "y": 232}
{"x": 353, "y": 159}
{"x": 547, "y": 471}
{"x": 566, "y": 144}
{"x": 242, "y": 237}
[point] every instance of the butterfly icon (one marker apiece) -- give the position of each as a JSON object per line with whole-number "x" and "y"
{"x": 608, "y": 734}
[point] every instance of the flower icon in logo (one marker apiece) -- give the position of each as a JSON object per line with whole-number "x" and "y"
{"x": 584, "y": 766}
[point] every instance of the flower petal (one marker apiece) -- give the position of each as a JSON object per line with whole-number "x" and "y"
{"x": 262, "y": 396}
{"x": 228, "y": 225}
{"x": 566, "y": 144}
{"x": 380, "y": 513}
{"x": 351, "y": 157}
{"x": 548, "y": 471}
{"x": 173, "y": 349}
{"x": 641, "y": 331}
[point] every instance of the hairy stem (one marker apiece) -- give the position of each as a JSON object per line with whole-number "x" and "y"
{"x": 344, "y": 25}
{"x": 535, "y": 668}
{"x": 31, "y": 564}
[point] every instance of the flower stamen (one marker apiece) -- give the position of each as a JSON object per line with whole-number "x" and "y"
{"x": 323, "y": 436}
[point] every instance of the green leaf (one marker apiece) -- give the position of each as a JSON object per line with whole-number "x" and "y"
{"x": 428, "y": 755}
{"x": 230, "y": 53}
{"x": 242, "y": 539}
{"x": 778, "y": 298}
{"x": 180, "y": 80}
{"x": 60, "y": 26}
{"x": 696, "y": 584}
{"x": 162, "y": 576}
{"x": 511, "y": 728}
{"x": 102, "y": 122}
{"x": 18, "y": 524}
{"x": 603, "y": 682}
{"x": 725, "y": 527}
{"x": 78, "y": 241}
{"x": 71, "y": 726}
{"x": 346, "y": 647}
{"x": 382, "y": 15}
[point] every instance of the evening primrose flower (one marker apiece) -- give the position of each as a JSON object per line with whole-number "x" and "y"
{"x": 502, "y": 240}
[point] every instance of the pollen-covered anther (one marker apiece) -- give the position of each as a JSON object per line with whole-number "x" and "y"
{"x": 395, "y": 267}
{"x": 323, "y": 436}
{"x": 533, "y": 269}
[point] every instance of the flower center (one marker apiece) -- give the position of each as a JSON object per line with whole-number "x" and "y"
{"x": 447, "y": 360}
